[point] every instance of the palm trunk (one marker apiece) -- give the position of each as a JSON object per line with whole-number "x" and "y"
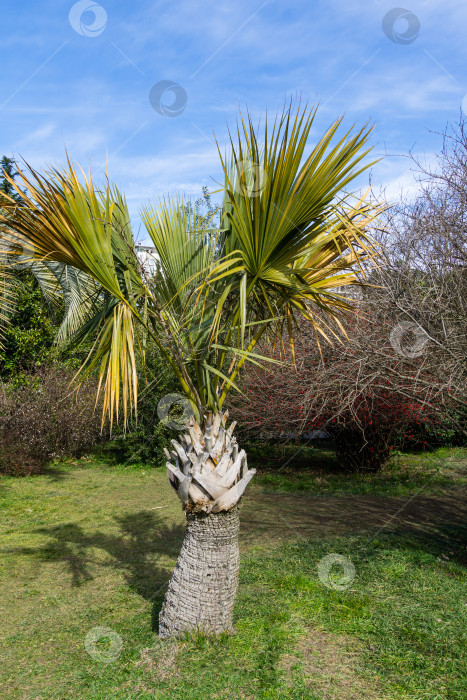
{"x": 202, "y": 590}
{"x": 210, "y": 476}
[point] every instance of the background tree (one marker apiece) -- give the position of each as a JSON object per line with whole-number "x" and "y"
{"x": 290, "y": 236}
{"x": 424, "y": 275}
{"x": 28, "y": 337}
{"x": 7, "y": 173}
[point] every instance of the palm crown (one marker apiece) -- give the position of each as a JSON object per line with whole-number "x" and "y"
{"x": 289, "y": 237}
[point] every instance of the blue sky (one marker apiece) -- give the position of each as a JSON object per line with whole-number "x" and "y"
{"x": 86, "y": 87}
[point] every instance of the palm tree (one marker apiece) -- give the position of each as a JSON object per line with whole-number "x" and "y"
{"x": 290, "y": 236}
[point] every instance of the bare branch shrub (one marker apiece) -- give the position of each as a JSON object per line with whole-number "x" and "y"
{"x": 41, "y": 419}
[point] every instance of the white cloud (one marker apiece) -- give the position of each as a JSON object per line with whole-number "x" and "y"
{"x": 395, "y": 177}
{"x": 386, "y": 93}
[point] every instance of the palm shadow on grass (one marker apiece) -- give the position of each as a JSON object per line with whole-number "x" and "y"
{"x": 135, "y": 551}
{"x": 438, "y": 522}
{"x": 56, "y": 473}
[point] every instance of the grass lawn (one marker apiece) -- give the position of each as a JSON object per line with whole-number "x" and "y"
{"x": 91, "y": 545}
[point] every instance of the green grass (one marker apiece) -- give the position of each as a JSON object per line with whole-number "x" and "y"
{"x": 90, "y": 545}
{"x": 311, "y": 468}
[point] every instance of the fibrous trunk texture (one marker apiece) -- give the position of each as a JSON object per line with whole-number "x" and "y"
{"x": 203, "y": 586}
{"x": 209, "y": 474}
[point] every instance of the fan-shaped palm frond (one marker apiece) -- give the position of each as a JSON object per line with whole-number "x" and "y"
{"x": 83, "y": 298}
{"x": 289, "y": 240}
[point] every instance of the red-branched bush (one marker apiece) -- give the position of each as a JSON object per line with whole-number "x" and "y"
{"x": 368, "y": 406}
{"x": 365, "y": 435}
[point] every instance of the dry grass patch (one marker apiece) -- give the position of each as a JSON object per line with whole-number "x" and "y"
{"x": 331, "y": 667}
{"x": 160, "y": 661}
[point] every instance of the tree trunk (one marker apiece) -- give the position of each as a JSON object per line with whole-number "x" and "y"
{"x": 203, "y": 586}
{"x": 209, "y": 474}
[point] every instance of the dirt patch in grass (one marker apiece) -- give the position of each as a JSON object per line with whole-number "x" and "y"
{"x": 329, "y": 663}
{"x": 273, "y": 518}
